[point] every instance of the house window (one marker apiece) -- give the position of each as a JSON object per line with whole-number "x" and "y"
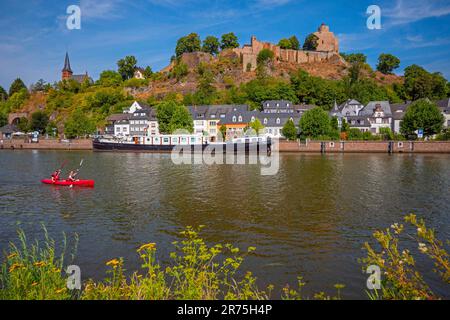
{"x": 278, "y": 120}
{"x": 265, "y": 120}
{"x": 253, "y": 119}
{"x": 240, "y": 118}
{"x": 125, "y": 129}
{"x": 234, "y": 118}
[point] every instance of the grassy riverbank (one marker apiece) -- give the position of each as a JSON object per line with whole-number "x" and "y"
{"x": 200, "y": 271}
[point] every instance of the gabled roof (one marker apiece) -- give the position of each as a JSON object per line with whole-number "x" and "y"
{"x": 369, "y": 109}
{"x": 118, "y": 117}
{"x": 80, "y": 78}
{"x": 443, "y": 104}
{"x": 246, "y": 117}
{"x": 67, "y": 64}
{"x": 9, "y": 128}
{"x": 277, "y": 104}
{"x": 272, "y": 118}
{"x": 206, "y": 112}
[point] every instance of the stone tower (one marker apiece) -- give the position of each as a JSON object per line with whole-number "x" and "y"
{"x": 67, "y": 71}
{"x": 327, "y": 41}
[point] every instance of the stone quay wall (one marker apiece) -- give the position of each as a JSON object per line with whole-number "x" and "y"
{"x": 46, "y": 144}
{"x": 366, "y": 146}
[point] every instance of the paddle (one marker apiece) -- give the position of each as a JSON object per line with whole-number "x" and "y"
{"x": 81, "y": 164}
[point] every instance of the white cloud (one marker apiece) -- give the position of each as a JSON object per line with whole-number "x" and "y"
{"x": 404, "y": 12}
{"x": 100, "y": 9}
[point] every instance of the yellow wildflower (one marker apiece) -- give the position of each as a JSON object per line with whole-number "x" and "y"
{"x": 39, "y": 264}
{"x": 61, "y": 290}
{"x": 148, "y": 246}
{"x": 113, "y": 262}
{"x": 12, "y": 255}
{"x": 56, "y": 270}
{"x": 34, "y": 284}
{"x": 15, "y": 266}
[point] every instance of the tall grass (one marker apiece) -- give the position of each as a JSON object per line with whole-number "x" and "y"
{"x": 200, "y": 271}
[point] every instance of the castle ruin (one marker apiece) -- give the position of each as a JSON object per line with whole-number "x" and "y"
{"x": 327, "y": 47}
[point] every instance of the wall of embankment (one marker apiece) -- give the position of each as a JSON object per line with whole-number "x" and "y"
{"x": 48, "y": 144}
{"x": 284, "y": 146}
{"x": 366, "y": 146}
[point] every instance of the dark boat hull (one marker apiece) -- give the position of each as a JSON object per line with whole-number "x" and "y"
{"x": 247, "y": 147}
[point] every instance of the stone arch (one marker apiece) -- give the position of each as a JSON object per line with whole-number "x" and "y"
{"x": 14, "y": 118}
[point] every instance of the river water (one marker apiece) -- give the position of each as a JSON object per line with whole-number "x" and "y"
{"x": 310, "y": 219}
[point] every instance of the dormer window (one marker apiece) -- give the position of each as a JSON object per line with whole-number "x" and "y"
{"x": 278, "y": 121}
{"x": 234, "y": 118}
{"x": 278, "y": 105}
{"x": 287, "y": 105}
{"x": 265, "y": 120}
{"x": 253, "y": 119}
{"x": 240, "y": 118}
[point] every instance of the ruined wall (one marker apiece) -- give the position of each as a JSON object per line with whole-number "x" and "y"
{"x": 328, "y": 47}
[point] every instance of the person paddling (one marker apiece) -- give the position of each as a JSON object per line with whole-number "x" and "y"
{"x": 72, "y": 176}
{"x": 55, "y": 175}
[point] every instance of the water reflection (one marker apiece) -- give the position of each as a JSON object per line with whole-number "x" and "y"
{"x": 312, "y": 218}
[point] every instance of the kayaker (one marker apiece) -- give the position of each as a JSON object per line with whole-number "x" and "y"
{"x": 72, "y": 176}
{"x": 55, "y": 175}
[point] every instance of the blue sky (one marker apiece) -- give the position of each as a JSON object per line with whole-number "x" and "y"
{"x": 34, "y": 37}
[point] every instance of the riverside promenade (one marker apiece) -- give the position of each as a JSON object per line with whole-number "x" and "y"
{"x": 284, "y": 146}
{"x": 46, "y": 144}
{"x": 365, "y": 146}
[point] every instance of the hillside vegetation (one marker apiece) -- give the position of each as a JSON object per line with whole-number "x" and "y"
{"x": 207, "y": 75}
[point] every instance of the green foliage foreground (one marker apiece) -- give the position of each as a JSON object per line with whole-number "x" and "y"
{"x": 199, "y": 271}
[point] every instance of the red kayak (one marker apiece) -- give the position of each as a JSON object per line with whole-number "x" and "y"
{"x": 78, "y": 183}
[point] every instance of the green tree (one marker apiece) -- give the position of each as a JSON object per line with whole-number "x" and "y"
{"x": 295, "y": 44}
{"x": 229, "y": 41}
{"x": 189, "y": 43}
{"x": 386, "y": 134}
{"x": 289, "y": 130}
{"x": 52, "y": 129}
{"x": 354, "y": 57}
{"x": 3, "y": 119}
{"x": 180, "y": 70}
{"x": 103, "y": 101}
{"x": 148, "y": 72}
{"x": 223, "y": 132}
{"x": 206, "y": 92}
{"x": 39, "y": 121}
{"x": 285, "y": 44}
{"x": 265, "y": 56}
{"x": 24, "y": 124}
{"x": 387, "y": 63}
{"x": 311, "y": 42}
{"x": 110, "y": 78}
{"x": 418, "y": 83}
{"x": 345, "y": 127}
{"x": 16, "y": 86}
{"x": 39, "y": 86}
{"x": 354, "y": 134}
{"x": 172, "y": 116}
{"x": 257, "y": 126}
{"x": 211, "y": 45}
{"x": 422, "y": 114}
{"x": 78, "y": 125}
{"x": 3, "y": 94}
{"x": 315, "y": 123}
{"x": 16, "y": 101}
{"x": 126, "y": 67}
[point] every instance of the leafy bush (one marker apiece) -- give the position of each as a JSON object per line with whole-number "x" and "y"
{"x": 401, "y": 279}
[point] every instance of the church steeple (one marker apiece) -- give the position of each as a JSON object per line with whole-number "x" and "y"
{"x": 66, "y": 71}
